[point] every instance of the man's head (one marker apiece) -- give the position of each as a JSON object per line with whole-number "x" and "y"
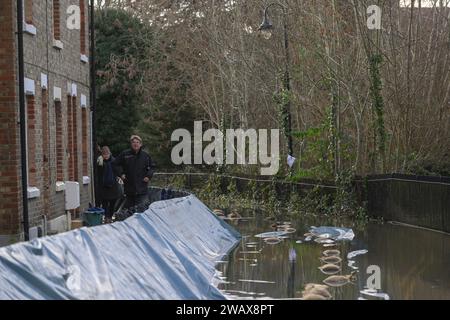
{"x": 136, "y": 143}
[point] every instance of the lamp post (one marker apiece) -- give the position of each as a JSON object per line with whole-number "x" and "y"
{"x": 266, "y": 27}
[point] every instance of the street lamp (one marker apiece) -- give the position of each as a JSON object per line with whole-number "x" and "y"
{"x": 266, "y": 29}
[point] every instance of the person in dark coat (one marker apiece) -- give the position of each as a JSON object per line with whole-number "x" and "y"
{"x": 135, "y": 167}
{"x": 98, "y": 198}
{"x": 109, "y": 190}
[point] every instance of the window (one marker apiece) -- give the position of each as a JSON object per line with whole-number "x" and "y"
{"x": 75, "y": 139}
{"x": 45, "y": 139}
{"x": 56, "y": 20}
{"x": 82, "y": 28}
{"x": 59, "y": 142}
{"x": 72, "y": 145}
{"x": 31, "y": 140}
{"x": 70, "y": 154}
{"x": 28, "y": 11}
{"x": 30, "y": 125}
{"x": 28, "y": 26}
{"x": 84, "y": 135}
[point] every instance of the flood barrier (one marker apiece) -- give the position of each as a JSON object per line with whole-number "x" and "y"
{"x": 167, "y": 252}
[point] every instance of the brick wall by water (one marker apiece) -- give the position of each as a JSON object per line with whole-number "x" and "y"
{"x": 9, "y": 134}
{"x": 48, "y": 120}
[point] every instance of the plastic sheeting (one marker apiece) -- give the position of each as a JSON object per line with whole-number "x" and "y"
{"x": 334, "y": 233}
{"x": 353, "y": 254}
{"x": 167, "y": 252}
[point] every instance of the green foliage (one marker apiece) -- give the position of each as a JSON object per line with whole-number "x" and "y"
{"x": 212, "y": 188}
{"x": 378, "y": 103}
{"x": 316, "y": 153}
{"x": 232, "y": 188}
{"x": 177, "y": 182}
{"x": 310, "y": 133}
{"x": 271, "y": 200}
{"x": 253, "y": 192}
{"x": 345, "y": 201}
{"x": 427, "y": 167}
{"x": 166, "y": 110}
{"x": 119, "y": 58}
{"x": 128, "y": 101}
{"x": 282, "y": 99}
{"x": 158, "y": 121}
{"x": 315, "y": 202}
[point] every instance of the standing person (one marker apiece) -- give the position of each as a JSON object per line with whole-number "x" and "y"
{"x": 135, "y": 168}
{"x": 98, "y": 196}
{"x": 108, "y": 188}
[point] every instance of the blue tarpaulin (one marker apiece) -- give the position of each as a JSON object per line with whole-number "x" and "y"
{"x": 167, "y": 252}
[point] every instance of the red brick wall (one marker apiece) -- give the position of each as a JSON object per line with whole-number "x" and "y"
{"x": 10, "y": 188}
{"x": 52, "y": 123}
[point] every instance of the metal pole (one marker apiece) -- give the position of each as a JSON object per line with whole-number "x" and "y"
{"x": 287, "y": 78}
{"x": 23, "y": 141}
{"x": 287, "y": 83}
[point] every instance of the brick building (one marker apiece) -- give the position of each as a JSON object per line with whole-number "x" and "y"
{"x": 58, "y": 117}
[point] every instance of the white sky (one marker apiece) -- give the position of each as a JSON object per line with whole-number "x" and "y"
{"x": 425, "y": 3}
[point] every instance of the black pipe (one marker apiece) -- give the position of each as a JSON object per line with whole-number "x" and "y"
{"x": 93, "y": 92}
{"x": 23, "y": 140}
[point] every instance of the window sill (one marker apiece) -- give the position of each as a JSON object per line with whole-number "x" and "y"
{"x": 33, "y": 192}
{"x": 60, "y": 186}
{"x": 57, "y": 44}
{"x": 84, "y": 58}
{"x": 29, "y": 28}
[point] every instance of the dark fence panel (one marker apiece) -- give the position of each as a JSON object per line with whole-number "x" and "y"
{"x": 421, "y": 201}
{"x": 418, "y": 200}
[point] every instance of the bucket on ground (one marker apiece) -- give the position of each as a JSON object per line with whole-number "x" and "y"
{"x": 93, "y": 216}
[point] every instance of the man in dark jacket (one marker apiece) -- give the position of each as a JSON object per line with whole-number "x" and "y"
{"x": 135, "y": 168}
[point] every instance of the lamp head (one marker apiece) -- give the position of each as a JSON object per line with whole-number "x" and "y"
{"x": 266, "y": 27}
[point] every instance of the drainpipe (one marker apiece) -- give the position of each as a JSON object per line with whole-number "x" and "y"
{"x": 23, "y": 141}
{"x": 93, "y": 96}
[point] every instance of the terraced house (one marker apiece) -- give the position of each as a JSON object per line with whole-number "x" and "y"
{"x": 57, "y": 118}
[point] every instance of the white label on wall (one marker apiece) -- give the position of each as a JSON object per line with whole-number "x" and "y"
{"x": 74, "y": 90}
{"x": 44, "y": 81}
{"x": 56, "y": 94}
{"x": 83, "y": 101}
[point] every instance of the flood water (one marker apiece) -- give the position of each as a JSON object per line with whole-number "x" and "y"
{"x": 412, "y": 263}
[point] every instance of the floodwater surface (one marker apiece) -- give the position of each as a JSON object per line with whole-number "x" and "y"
{"x": 401, "y": 262}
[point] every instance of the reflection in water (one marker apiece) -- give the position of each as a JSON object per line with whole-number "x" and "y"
{"x": 291, "y": 277}
{"x": 413, "y": 263}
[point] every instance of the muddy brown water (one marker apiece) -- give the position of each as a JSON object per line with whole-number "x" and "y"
{"x": 412, "y": 263}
